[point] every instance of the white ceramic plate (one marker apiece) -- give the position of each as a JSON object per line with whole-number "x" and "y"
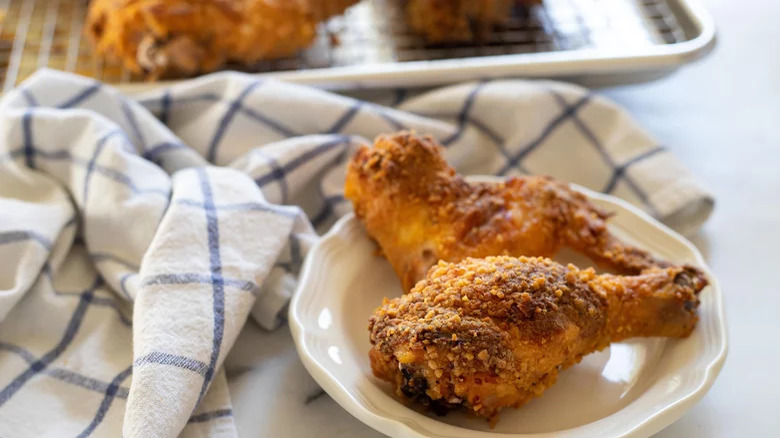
{"x": 632, "y": 389}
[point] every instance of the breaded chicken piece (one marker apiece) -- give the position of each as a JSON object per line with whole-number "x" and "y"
{"x": 186, "y": 37}
{"x": 457, "y": 21}
{"x": 420, "y": 211}
{"x": 488, "y": 333}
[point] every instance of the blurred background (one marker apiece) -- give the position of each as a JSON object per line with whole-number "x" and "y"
{"x": 616, "y": 40}
{"x": 715, "y": 104}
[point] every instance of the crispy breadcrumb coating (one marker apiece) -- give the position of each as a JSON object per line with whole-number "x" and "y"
{"x": 488, "y": 333}
{"x": 420, "y": 211}
{"x": 186, "y": 37}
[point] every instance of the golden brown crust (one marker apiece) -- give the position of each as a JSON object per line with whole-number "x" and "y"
{"x": 488, "y": 333}
{"x": 420, "y": 211}
{"x": 185, "y": 37}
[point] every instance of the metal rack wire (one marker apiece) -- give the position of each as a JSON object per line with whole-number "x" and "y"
{"x": 48, "y": 33}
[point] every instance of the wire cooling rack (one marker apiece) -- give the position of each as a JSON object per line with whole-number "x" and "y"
{"x": 49, "y": 33}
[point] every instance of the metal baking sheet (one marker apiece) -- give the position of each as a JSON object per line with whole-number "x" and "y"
{"x": 616, "y": 40}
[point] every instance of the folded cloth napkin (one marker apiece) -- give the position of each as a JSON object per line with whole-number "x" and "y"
{"x": 137, "y": 236}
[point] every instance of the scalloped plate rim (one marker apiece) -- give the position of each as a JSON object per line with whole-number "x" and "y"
{"x": 400, "y": 427}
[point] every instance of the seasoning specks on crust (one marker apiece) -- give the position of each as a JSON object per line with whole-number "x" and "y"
{"x": 488, "y": 333}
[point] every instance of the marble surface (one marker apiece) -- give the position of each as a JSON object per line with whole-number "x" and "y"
{"x": 721, "y": 117}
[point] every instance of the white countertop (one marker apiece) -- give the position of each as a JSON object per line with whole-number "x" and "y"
{"x": 721, "y": 117}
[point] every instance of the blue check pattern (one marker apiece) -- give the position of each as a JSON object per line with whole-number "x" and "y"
{"x": 143, "y": 231}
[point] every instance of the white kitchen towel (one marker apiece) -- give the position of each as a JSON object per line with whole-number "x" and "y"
{"x": 137, "y": 236}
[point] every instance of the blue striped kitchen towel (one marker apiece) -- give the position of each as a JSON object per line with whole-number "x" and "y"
{"x": 139, "y": 235}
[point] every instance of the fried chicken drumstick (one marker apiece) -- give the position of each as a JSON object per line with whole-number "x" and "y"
{"x": 185, "y": 37}
{"x": 420, "y": 211}
{"x": 459, "y": 21}
{"x": 484, "y": 334}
